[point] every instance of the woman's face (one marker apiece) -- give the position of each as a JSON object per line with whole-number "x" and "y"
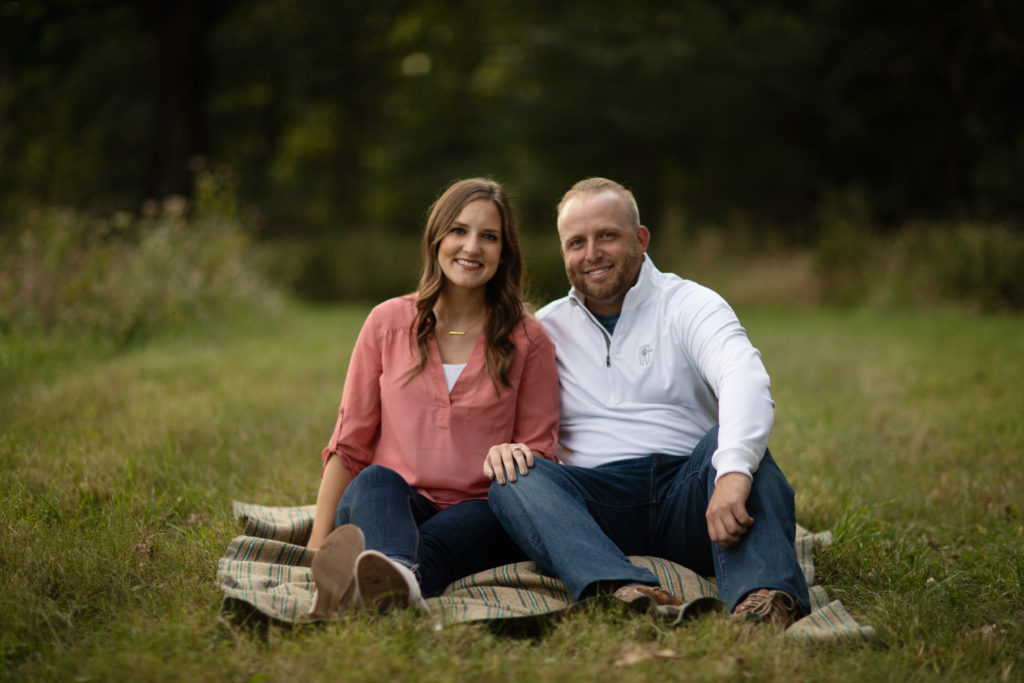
{"x": 470, "y": 252}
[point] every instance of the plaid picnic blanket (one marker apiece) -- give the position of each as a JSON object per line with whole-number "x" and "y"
{"x": 266, "y": 571}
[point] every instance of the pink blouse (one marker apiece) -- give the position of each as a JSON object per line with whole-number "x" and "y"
{"x": 435, "y": 439}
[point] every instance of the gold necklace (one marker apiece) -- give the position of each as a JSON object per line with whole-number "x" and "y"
{"x": 462, "y": 333}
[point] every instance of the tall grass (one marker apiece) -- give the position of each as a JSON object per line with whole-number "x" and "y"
{"x": 901, "y": 433}
{"x": 920, "y": 266}
{"x": 115, "y": 279}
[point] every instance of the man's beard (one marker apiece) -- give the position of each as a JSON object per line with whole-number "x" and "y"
{"x": 623, "y": 276}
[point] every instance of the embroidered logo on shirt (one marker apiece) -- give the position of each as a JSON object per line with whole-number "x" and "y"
{"x": 646, "y": 355}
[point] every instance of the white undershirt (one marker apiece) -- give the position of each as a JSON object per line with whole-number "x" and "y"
{"x": 452, "y": 372}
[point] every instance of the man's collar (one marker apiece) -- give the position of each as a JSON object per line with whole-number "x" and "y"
{"x": 637, "y": 294}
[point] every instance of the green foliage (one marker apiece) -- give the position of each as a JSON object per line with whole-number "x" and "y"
{"x": 358, "y": 268}
{"x": 970, "y": 265}
{"x": 75, "y": 121}
{"x": 843, "y": 252}
{"x": 341, "y": 115}
{"x": 370, "y": 266}
{"x": 979, "y": 263}
{"x": 118, "y": 279}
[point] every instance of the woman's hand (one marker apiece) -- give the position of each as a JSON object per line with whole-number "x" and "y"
{"x": 502, "y": 461}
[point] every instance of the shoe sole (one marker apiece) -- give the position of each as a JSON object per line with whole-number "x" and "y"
{"x": 334, "y": 567}
{"x": 381, "y": 587}
{"x": 642, "y": 603}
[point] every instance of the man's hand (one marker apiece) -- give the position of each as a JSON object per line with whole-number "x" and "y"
{"x": 727, "y": 514}
{"x": 502, "y": 460}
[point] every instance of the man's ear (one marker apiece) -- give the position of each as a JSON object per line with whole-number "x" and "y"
{"x": 643, "y": 236}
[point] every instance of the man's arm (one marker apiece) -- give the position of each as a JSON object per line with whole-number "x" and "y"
{"x": 733, "y": 368}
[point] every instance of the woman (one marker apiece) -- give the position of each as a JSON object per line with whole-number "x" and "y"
{"x": 440, "y": 382}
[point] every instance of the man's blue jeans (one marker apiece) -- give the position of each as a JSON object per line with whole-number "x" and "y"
{"x": 404, "y": 525}
{"x": 580, "y": 523}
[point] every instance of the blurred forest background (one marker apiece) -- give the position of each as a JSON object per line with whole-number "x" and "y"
{"x": 161, "y": 158}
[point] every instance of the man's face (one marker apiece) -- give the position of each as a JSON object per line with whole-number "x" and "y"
{"x": 601, "y": 249}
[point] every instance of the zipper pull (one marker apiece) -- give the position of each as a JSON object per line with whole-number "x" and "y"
{"x": 608, "y": 360}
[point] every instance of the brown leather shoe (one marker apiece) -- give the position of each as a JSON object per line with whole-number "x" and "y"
{"x": 767, "y": 606}
{"x": 643, "y": 598}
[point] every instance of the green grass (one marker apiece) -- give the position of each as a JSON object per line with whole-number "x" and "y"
{"x": 901, "y": 433}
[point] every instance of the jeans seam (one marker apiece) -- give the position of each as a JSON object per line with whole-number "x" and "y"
{"x": 722, "y": 572}
{"x": 652, "y": 496}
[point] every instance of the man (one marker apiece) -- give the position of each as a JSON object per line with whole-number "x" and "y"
{"x": 665, "y": 419}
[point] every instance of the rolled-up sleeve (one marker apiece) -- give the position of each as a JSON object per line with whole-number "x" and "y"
{"x": 358, "y": 427}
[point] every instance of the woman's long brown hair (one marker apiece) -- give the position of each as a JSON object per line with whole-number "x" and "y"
{"x": 503, "y": 293}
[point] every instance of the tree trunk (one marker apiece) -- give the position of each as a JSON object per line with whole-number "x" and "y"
{"x": 179, "y": 29}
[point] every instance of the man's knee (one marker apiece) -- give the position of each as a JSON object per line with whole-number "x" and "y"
{"x": 503, "y": 494}
{"x": 525, "y": 486}
{"x": 706, "y": 447}
{"x": 770, "y": 478}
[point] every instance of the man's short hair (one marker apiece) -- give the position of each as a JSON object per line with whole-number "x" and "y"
{"x": 592, "y": 186}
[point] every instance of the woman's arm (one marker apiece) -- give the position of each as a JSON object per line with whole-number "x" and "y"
{"x": 350, "y": 448}
{"x": 535, "y": 431}
{"x": 335, "y": 480}
{"x": 536, "y": 422}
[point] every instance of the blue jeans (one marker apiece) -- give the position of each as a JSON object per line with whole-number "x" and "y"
{"x": 580, "y": 523}
{"x": 404, "y": 525}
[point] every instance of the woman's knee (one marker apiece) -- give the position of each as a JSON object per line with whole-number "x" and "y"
{"x": 371, "y": 482}
{"x": 373, "y": 472}
{"x": 375, "y": 476}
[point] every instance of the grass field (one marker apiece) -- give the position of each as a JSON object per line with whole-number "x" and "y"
{"x": 901, "y": 433}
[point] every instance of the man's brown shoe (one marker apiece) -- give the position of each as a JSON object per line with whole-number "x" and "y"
{"x": 643, "y": 598}
{"x": 767, "y": 606}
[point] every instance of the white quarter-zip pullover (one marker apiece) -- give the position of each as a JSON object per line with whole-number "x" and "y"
{"x": 678, "y": 363}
